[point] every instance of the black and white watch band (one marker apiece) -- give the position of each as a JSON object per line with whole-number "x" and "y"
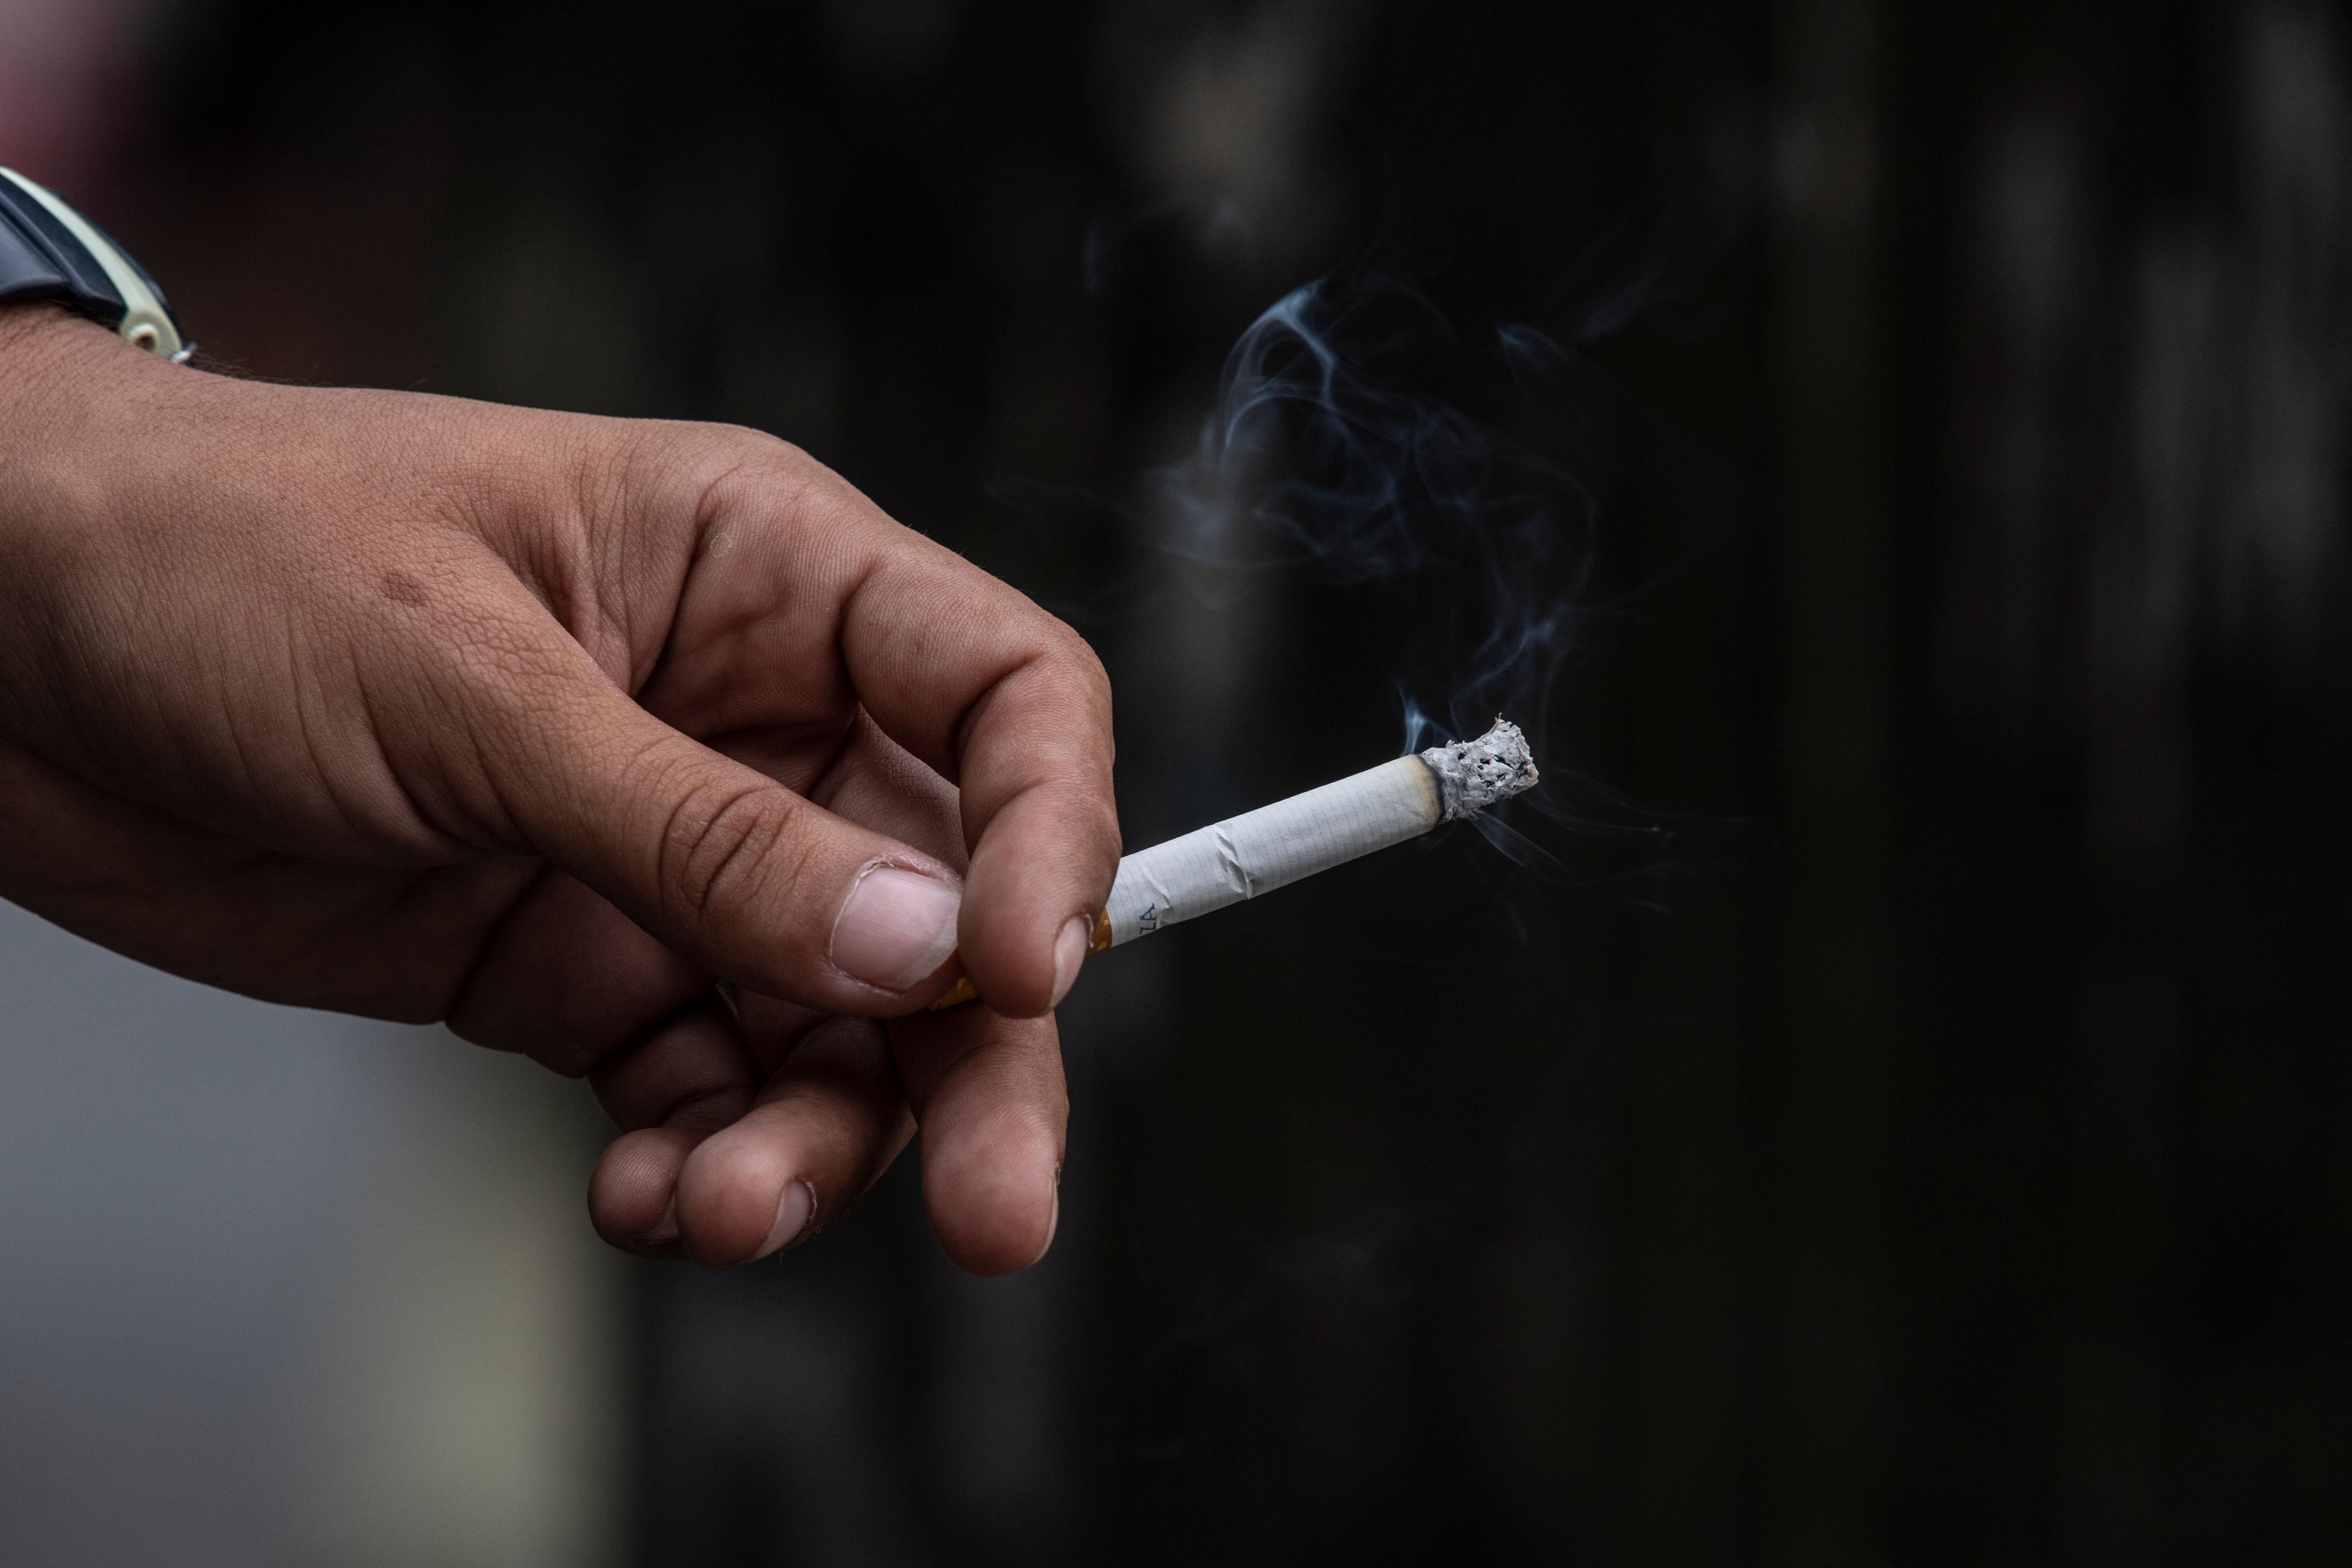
{"x": 48, "y": 251}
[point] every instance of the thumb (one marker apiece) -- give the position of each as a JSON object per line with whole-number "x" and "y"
{"x": 751, "y": 879}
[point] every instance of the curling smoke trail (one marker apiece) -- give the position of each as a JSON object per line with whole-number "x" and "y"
{"x": 1341, "y": 447}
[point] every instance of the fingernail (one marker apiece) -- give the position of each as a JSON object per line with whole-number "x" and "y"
{"x": 1069, "y": 951}
{"x": 666, "y": 1227}
{"x": 896, "y": 927}
{"x": 793, "y": 1211}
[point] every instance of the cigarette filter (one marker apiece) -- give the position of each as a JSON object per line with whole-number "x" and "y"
{"x": 1276, "y": 844}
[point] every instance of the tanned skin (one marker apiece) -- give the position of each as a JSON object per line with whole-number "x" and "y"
{"x": 542, "y": 724}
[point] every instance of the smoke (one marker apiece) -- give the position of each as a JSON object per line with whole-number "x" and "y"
{"x": 1359, "y": 440}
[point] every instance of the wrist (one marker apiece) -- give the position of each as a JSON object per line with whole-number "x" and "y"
{"x": 57, "y": 370}
{"x": 29, "y": 334}
{"x": 45, "y": 350}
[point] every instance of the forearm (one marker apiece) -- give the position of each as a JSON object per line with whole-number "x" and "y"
{"x": 53, "y": 366}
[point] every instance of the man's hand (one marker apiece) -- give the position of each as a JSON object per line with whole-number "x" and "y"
{"x": 541, "y": 724}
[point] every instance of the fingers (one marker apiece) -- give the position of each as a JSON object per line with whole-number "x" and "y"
{"x": 828, "y": 1123}
{"x": 722, "y": 1167}
{"x": 724, "y": 1164}
{"x": 877, "y": 782}
{"x": 746, "y": 878}
{"x": 691, "y": 1077}
{"x": 987, "y": 1090}
{"x": 566, "y": 978}
{"x": 988, "y": 1093}
{"x": 799, "y": 574}
{"x": 1015, "y": 707}
{"x": 632, "y": 1194}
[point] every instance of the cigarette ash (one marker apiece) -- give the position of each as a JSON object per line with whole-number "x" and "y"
{"x": 1473, "y": 776}
{"x": 1359, "y": 439}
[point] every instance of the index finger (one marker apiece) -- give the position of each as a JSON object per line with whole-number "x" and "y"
{"x": 805, "y": 602}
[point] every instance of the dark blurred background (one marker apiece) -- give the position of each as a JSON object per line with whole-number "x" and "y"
{"x": 1892, "y": 1110}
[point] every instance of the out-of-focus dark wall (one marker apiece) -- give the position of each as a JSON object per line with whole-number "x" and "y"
{"x": 1904, "y": 1124}
{"x": 2124, "y": 240}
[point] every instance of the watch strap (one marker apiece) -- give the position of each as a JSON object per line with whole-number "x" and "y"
{"x": 49, "y": 251}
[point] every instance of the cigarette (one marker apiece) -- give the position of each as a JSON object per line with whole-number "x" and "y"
{"x": 1276, "y": 844}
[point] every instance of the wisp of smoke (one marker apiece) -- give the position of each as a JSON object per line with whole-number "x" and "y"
{"x": 1341, "y": 446}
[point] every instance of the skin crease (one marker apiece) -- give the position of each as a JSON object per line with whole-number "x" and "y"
{"x": 540, "y": 723}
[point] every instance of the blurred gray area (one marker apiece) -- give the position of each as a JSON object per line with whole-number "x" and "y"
{"x": 284, "y": 1288}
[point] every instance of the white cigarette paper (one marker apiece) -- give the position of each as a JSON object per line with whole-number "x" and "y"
{"x": 1276, "y": 844}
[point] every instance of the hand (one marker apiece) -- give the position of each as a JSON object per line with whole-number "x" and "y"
{"x": 540, "y": 724}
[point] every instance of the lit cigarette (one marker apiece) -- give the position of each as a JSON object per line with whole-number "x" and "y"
{"x": 1276, "y": 844}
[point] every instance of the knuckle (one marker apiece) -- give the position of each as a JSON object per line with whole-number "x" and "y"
{"x": 700, "y": 458}
{"x": 716, "y": 453}
{"x": 1089, "y": 666}
{"x": 726, "y": 846}
{"x": 1080, "y": 684}
{"x": 1070, "y": 655}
